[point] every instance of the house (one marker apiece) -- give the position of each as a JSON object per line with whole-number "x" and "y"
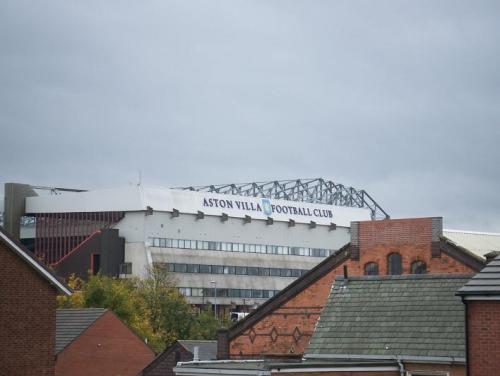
{"x": 28, "y": 291}
{"x": 388, "y": 325}
{"x": 94, "y": 341}
{"x": 282, "y": 327}
{"x": 481, "y": 296}
{"x": 374, "y": 325}
{"x": 180, "y": 351}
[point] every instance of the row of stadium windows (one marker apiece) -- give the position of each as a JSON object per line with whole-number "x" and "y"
{"x": 239, "y": 247}
{"x": 227, "y": 293}
{"x": 239, "y": 270}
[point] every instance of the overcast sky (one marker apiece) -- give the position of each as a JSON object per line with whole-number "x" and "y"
{"x": 400, "y": 98}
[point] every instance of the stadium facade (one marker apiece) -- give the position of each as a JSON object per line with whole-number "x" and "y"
{"x": 240, "y": 243}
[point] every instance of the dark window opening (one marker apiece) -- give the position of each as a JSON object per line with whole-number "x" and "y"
{"x": 395, "y": 264}
{"x": 418, "y": 267}
{"x": 371, "y": 268}
{"x": 95, "y": 263}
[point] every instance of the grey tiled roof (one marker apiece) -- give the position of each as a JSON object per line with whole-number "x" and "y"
{"x": 70, "y": 323}
{"x": 486, "y": 282}
{"x": 407, "y": 316}
{"x": 207, "y": 349}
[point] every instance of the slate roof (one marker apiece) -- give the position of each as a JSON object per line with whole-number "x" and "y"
{"x": 70, "y": 323}
{"x": 207, "y": 349}
{"x": 486, "y": 282}
{"x": 411, "y": 316}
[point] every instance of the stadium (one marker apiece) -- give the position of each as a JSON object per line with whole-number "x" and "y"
{"x": 232, "y": 246}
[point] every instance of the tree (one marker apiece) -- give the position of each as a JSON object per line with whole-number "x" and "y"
{"x": 152, "y": 306}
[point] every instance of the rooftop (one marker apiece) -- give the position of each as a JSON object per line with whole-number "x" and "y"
{"x": 411, "y": 316}
{"x": 486, "y": 282}
{"x": 70, "y": 323}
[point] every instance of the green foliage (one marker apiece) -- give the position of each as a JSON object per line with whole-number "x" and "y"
{"x": 151, "y": 306}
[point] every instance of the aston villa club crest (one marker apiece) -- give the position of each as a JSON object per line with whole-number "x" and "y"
{"x": 266, "y": 207}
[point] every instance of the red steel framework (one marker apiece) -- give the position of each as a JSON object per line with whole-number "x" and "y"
{"x": 58, "y": 233}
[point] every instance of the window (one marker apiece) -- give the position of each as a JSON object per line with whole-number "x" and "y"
{"x": 241, "y": 270}
{"x": 251, "y": 270}
{"x": 217, "y": 269}
{"x": 180, "y": 268}
{"x": 264, "y": 271}
{"x": 193, "y": 268}
{"x": 286, "y": 273}
{"x": 371, "y": 268}
{"x": 126, "y": 268}
{"x": 275, "y": 272}
{"x": 418, "y": 267}
{"x": 394, "y": 264}
{"x": 95, "y": 263}
{"x": 205, "y": 269}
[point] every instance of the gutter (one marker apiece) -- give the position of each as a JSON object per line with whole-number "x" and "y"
{"x": 401, "y": 368}
{"x": 416, "y": 359}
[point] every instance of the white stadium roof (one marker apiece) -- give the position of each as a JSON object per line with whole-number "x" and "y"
{"x": 480, "y": 243}
{"x": 141, "y": 198}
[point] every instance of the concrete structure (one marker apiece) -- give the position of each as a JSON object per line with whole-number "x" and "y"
{"x": 93, "y": 341}
{"x": 28, "y": 293}
{"x": 227, "y": 250}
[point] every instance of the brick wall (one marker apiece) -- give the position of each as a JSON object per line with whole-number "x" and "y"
{"x": 287, "y": 329}
{"x": 483, "y": 320}
{"x": 164, "y": 363}
{"x": 107, "y": 347}
{"x": 27, "y": 318}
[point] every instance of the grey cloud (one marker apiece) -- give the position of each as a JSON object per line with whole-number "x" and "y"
{"x": 397, "y": 97}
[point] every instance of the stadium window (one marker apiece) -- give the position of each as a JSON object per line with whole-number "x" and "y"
{"x": 193, "y": 268}
{"x": 241, "y": 270}
{"x": 295, "y": 272}
{"x": 418, "y": 267}
{"x": 180, "y": 268}
{"x": 264, "y": 272}
{"x": 256, "y": 293}
{"x": 394, "y": 264}
{"x": 126, "y": 268}
{"x": 217, "y": 269}
{"x": 206, "y": 269}
{"x": 275, "y": 272}
{"x": 163, "y": 243}
{"x": 286, "y": 273}
{"x": 252, "y": 270}
{"x": 371, "y": 268}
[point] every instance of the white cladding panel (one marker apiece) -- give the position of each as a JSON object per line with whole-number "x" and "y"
{"x": 139, "y": 198}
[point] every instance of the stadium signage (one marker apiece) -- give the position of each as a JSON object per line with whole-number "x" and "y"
{"x": 265, "y": 206}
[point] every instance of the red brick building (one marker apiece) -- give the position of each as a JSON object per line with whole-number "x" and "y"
{"x": 93, "y": 341}
{"x": 28, "y": 293}
{"x": 481, "y": 296}
{"x": 282, "y": 327}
